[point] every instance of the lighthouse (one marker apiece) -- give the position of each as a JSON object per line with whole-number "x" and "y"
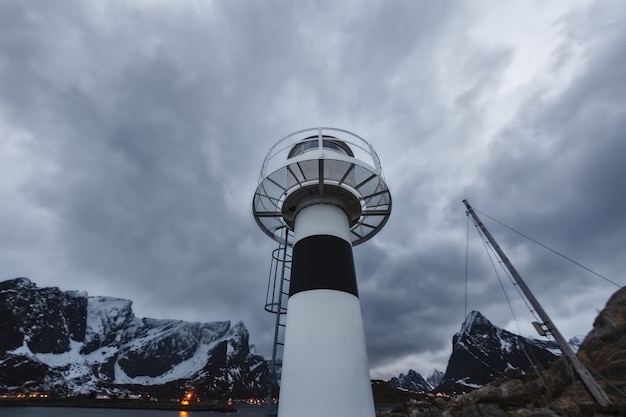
{"x": 326, "y": 187}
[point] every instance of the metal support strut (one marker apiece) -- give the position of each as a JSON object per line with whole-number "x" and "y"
{"x": 590, "y": 383}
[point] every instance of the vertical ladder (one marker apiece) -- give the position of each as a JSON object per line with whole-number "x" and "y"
{"x": 276, "y": 303}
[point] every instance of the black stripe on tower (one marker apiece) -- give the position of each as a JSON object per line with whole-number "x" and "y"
{"x": 322, "y": 262}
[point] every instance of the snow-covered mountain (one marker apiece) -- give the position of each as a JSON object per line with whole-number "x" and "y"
{"x": 68, "y": 342}
{"x": 482, "y": 352}
{"x": 434, "y": 378}
{"x": 413, "y": 381}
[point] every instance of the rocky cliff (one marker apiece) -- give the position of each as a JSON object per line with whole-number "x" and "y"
{"x": 69, "y": 343}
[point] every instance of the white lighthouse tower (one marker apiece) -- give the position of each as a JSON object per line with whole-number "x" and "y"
{"x": 326, "y": 186}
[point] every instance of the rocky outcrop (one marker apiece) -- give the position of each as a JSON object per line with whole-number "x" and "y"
{"x": 46, "y": 319}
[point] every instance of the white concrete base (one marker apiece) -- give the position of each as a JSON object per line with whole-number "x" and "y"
{"x": 325, "y": 368}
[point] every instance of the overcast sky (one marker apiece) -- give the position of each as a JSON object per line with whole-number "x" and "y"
{"x": 132, "y": 135}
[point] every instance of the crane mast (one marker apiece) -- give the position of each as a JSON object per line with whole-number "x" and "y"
{"x": 590, "y": 383}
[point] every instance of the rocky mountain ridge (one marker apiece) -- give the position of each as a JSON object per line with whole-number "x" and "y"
{"x": 555, "y": 391}
{"x": 481, "y": 353}
{"x": 70, "y": 343}
{"x": 413, "y": 381}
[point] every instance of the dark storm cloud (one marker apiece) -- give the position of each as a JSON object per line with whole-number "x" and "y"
{"x": 555, "y": 174}
{"x": 406, "y": 300}
{"x": 145, "y": 147}
{"x": 413, "y": 294}
{"x": 568, "y": 155}
{"x": 135, "y": 133}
